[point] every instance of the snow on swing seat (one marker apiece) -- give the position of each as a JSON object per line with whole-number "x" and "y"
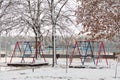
{"x": 28, "y": 64}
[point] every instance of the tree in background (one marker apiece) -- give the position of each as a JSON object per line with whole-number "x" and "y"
{"x": 60, "y": 20}
{"x": 27, "y": 16}
{"x": 4, "y": 4}
{"x": 100, "y": 18}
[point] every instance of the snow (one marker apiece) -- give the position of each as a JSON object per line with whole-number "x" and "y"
{"x": 60, "y": 72}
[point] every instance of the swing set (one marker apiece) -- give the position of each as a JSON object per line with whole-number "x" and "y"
{"x": 27, "y": 47}
{"x": 83, "y": 47}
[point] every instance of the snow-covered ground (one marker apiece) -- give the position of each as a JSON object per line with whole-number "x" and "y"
{"x": 60, "y": 72}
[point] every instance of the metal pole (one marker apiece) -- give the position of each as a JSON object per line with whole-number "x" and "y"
{"x": 66, "y": 58}
{"x": 54, "y": 47}
{"x": 36, "y": 47}
{"x": 53, "y": 32}
{"x": 0, "y": 48}
{"x": 6, "y": 48}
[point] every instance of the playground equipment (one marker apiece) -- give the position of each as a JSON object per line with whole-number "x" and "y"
{"x": 101, "y": 46}
{"x": 83, "y": 48}
{"x": 27, "y": 47}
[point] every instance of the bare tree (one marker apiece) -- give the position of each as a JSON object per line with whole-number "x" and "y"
{"x": 59, "y": 18}
{"x": 24, "y": 16}
{"x": 101, "y": 18}
{"x": 4, "y": 4}
{"x": 35, "y": 15}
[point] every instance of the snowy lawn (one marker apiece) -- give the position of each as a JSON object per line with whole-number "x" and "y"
{"x": 60, "y": 72}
